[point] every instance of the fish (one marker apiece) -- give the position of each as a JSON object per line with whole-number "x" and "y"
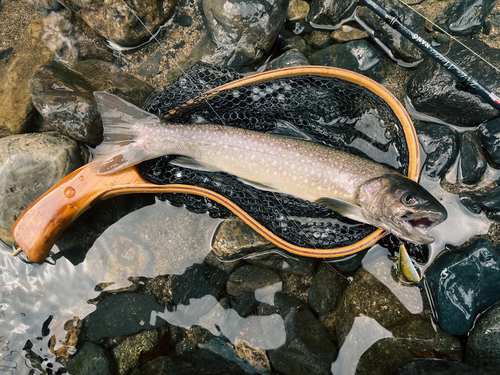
{"x": 355, "y": 187}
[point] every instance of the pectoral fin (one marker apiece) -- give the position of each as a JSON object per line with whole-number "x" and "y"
{"x": 344, "y": 208}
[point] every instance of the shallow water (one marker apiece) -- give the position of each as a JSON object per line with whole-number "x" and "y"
{"x": 30, "y": 294}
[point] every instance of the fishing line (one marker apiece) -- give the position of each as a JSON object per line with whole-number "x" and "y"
{"x": 153, "y": 36}
{"x": 448, "y": 34}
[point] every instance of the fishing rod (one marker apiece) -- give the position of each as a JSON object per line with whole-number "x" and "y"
{"x": 465, "y": 82}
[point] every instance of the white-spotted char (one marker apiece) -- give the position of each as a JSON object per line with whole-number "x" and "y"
{"x": 354, "y": 186}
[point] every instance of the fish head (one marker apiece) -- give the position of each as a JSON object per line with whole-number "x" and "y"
{"x": 401, "y": 206}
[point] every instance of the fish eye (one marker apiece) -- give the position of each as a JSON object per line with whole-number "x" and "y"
{"x": 408, "y": 199}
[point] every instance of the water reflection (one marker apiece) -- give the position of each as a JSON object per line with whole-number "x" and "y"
{"x": 260, "y": 332}
{"x": 364, "y": 332}
{"x": 154, "y": 240}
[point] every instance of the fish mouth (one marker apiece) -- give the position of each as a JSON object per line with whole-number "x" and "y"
{"x": 418, "y": 225}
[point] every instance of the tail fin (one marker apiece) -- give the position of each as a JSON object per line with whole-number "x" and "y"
{"x": 121, "y": 121}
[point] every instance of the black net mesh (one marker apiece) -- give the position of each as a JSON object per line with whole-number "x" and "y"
{"x": 330, "y": 111}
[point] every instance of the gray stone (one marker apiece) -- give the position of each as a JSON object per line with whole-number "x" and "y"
{"x": 346, "y": 33}
{"x": 472, "y": 160}
{"x": 357, "y": 55}
{"x": 368, "y": 303}
{"x": 114, "y": 20}
{"x": 197, "y": 281}
{"x": 90, "y": 359}
{"x": 401, "y": 47}
{"x": 326, "y": 290}
{"x": 463, "y": 283}
{"x": 243, "y": 32}
{"x": 330, "y": 12}
{"x": 234, "y": 237}
{"x": 440, "y": 143}
{"x": 122, "y": 314}
{"x": 105, "y": 76}
{"x": 465, "y": 17}
{"x": 432, "y": 89}
{"x": 307, "y": 349}
{"x": 434, "y": 366}
{"x": 17, "y": 112}
{"x": 201, "y": 362}
{"x": 128, "y": 352}
{"x": 289, "y": 58}
{"x": 483, "y": 345}
{"x": 249, "y": 278}
{"x": 30, "y": 164}
{"x": 64, "y": 99}
{"x": 489, "y": 136}
{"x": 300, "y": 266}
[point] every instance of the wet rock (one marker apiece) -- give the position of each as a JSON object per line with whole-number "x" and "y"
{"x": 350, "y": 263}
{"x": 289, "y": 42}
{"x": 398, "y": 331}
{"x": 296, "y": 285}
{"x": 17, "y": 112}
{"x": 90, "y": 359}
{"x": 4, "y": 53}
{"x": 31, "y": 164}
{"x": 245, "y": 304}
{"x": 105, "y": 76}
{"x": 234, "y": 237}
{"x": 386, "y": 354}
{"x": 199, "y": 280}
{"x": 440, "y": 143}
{"x": 330, "y": 12}
{"x": 436, "y": 366}
{"x": 483, "y": 345}
{"x": 256, "y": 358}
{"x": 201, "y": 361}
{"x": 326, "y": 290}
{"x": 121, "y": 314}
{"x": 300, "y": 27}
{"x": 81, "y": 235}
{"x": 114, "y": 20}
{"x": 249, "y": 278}
{"x": 358, "y": 56}
{"x": 64, "y": 99}
{"x": 151, "y": 67}
{"x": 472, "y": 160}
{"x": 470, "y": 201}
{"x": 318, "y": 39}
{"x": 63, "y": 37}
{"x": 183, "y": 20}
{"x": 128, "y": 352}
{"x": 307, "y": 349}
{"x": 346, "y": 33}
{"x": 243, "y": 32}
{"x": 432, "y": 89}
{"x": 489, "y": 136}
{"x": 65, "y": 348}
{"x": 465, "y": 17}
{"x": 119, "y": 261}
{"x": 401, "y": 47}
{"x": 297, "y": 10}
{"x": 463, "y": 283}
{"x": 277, "y": 262}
